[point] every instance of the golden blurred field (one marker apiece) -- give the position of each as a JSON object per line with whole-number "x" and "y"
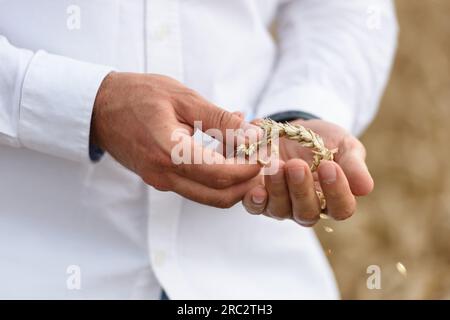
{"x": 407, "y": 217}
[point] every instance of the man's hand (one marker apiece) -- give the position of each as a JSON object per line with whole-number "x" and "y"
{"x": 134, "y": 118}
{"x": 290, "y": 193}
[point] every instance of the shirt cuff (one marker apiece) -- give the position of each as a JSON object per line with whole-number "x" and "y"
{"x": 58, "y": 96}
{"x": 95, "y": 153}
{"x": 292, "y": 115}
{"x": 312, "y": 99}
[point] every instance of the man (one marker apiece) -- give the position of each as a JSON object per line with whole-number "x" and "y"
{"x": 83, "y": 77}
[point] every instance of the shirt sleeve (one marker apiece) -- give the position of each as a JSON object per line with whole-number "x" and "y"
{"x": 334, "y": 59}
{"x": 46, "y": 101}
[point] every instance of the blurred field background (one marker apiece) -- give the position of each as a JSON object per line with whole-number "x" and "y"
{"x": 407, "y": 217}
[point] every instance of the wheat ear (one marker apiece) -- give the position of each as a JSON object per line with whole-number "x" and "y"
{"x": 305, "y": 137}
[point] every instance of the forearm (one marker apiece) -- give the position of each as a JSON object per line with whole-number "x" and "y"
{"x": 331, "y": 64}
{"x": 46, "y": 101}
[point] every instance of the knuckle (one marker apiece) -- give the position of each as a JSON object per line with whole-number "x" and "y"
{"x": 280, "y": 213}
{"x": 147, "y": 181}
{"x": 161, "y": 186}
{"x": 159, "y": 104}
{"x": 309, "y": 216}
{"x": 281, "y": 217}
{"x": 278, "y": 193}
{"x": 285, "y": 215}
{"x": 222, "y": 118}
{"x": 148, "y": 178}
{"x": 351, "y": 143}
{"x": 159, "y": 182}
{"x": 181, "y": 169}
{"x": 192, "y": 94}
{"x": 343, "y": 214}
{"x": 300, "y": 193}
{"x": 222, "y": 181}
{"x": 224, "y": 202}
{"x": 331, "y": 192}
{"x": 161, "y": 162}
{"x": 189, "y": 97}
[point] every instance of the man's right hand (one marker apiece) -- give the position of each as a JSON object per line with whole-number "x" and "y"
{"x": 133, "y": 120}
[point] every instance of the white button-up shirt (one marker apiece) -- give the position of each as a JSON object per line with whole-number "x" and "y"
{"x": 70, "y": 228}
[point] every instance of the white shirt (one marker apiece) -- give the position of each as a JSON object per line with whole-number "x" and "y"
{"x": 70, "y": 228}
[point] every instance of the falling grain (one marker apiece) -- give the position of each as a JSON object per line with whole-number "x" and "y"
{"x": 401, "y": 269}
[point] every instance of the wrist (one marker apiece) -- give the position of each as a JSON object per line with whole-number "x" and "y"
{"x": 102, "y": 98}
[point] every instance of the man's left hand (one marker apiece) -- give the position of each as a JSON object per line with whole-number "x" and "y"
{"x": 290, "y": 193}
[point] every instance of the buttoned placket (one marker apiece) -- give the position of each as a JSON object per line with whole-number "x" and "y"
{"x": 163, "y": 38}
{"x": 163, "y": 55}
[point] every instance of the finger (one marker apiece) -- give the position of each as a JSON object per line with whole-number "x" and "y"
{"x": 219, "y": 123}
{"x": 231, "y": 149}
{"x": 256, "y": 121}
{"x": 240, "y": 114}
{"x": 279, "y": 204}
{"x": 255, "y": 200}
{"x": 228, "y": 128}
{"x": 305, "y": 205}
{"x": 208, "y": 167}
{"x": 351, "y": 158}
{"x": 197, "y": 192}
{"x": 341, "y": 203}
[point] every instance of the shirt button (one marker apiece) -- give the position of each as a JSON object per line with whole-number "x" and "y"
{"x": 160, "y": 32}
{"x": 159, "y": 258}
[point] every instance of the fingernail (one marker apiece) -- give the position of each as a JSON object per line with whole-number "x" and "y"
{"x": 327, "y": 173}
{"x": 297, "y": 174}
{"x": 258, "y": 199}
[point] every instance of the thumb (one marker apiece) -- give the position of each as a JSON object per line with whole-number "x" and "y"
{"x": 215, "y": 118}
{"x": 239, "y": 114}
